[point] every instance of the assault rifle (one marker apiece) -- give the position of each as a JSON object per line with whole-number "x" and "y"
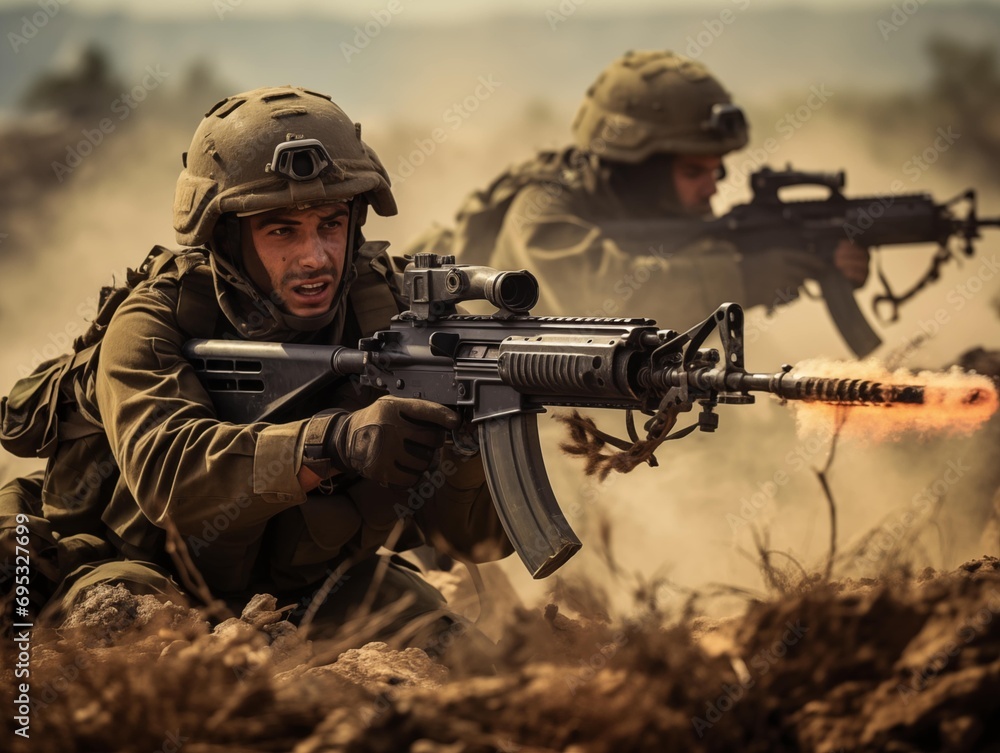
{"x": 817, "y": 226}
{"x": 499, "y": 372}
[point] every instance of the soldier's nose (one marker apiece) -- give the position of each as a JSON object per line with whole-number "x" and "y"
{"x": 313, "y": 253}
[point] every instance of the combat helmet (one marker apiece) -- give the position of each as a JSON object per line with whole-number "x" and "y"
{"x": 649, "y": 102}
{"x": 265, "y": 149}
{"x": 270, "y": 148}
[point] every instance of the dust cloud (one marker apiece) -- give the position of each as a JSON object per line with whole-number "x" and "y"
{"x": 699, "y": 517}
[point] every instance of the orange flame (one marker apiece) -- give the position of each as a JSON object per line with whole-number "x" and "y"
{"x": 955, "y": 403}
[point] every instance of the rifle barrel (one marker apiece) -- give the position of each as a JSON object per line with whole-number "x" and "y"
{"x": 782, "y": 384}
{"x": 848, "y": 391}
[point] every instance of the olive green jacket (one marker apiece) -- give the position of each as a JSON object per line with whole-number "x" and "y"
{"x": 231, "y": 490}
{"x": 593, "y": 256}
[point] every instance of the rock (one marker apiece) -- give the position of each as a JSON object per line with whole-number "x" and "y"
{"x": 378, "y": 668}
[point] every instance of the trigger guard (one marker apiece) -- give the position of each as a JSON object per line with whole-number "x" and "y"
{"x": 464, "y": 442}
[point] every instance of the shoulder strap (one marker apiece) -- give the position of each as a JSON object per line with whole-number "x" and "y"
{"x": 544, "y": 167}
{"x": 197, "y": 307}
{"x": 372, "y": 295}
{"x": 197, "y": 314}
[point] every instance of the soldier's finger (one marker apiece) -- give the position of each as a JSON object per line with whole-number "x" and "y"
{"x": 427, "y": 414}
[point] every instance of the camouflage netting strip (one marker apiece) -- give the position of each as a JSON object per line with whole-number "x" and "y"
{"x": 587, "y": 441}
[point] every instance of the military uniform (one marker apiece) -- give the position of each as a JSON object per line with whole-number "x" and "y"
{"x": 592, "y": 254}
{"x": 594, "y": 248}
{"x": 233, "y": 491}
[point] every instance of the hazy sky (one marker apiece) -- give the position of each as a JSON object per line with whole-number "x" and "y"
{"x": 436, "y": 11}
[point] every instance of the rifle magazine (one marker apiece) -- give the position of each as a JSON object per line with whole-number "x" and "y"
{"x": 526, "y": 505}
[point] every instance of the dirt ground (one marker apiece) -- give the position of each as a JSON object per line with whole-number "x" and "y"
{"x": 906, "y": 663}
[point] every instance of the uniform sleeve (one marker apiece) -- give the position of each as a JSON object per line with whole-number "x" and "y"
{"x": 179, "y": 461}
{"x": 586, "y": 269}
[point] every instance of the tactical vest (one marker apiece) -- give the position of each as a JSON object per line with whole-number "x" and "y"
{"x": 52, "y": 412}
{"x": 478, "y": 221}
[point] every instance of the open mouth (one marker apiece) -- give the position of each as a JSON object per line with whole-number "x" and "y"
{"x": 311, "y": 289}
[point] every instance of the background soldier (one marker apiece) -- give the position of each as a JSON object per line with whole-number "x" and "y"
{"x": 596, "y": 222}
{"x": 274, "y": 193}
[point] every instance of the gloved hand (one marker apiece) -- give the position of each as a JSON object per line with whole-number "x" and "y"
{"x": 851, "y": 260}
{"x": 773, "y": 277}
{"x": 392, "y": 441}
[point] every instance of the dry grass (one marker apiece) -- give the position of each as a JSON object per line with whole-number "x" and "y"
{"x": 831, "y": 665}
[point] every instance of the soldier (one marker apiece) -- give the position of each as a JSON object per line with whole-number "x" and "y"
{"x": 272, "y": 199}
{"x": 596, "y": 222}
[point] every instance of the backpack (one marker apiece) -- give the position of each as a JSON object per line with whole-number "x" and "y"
{"x": 51, "y": 413}
{"x": 479, "y": 220}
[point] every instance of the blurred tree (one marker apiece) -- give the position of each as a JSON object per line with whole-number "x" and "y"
{"x": 83, "y": 93}
{"x": 200, "y": 89}
{"x": 962, "y": 94}
{"x": 965, "y": 93}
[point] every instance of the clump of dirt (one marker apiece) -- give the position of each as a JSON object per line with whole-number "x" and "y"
{"x": 904, "y": 664}
{"x": 108, "y": 610}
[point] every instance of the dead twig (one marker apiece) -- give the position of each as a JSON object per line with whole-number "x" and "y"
{"x": 361, "y": 630}
{"x": 588, "y": 442}
{"x": 190, "y": 576}
{"x": 772, "y": 575}
{"x": 793, "y": 560}
{"x": 822, "y": 477}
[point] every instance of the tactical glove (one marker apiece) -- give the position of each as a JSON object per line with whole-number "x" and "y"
{"x": 391, "y": 442}
{"x": 773, "y": 277}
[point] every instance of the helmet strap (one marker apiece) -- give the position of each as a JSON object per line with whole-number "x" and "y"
{"x": 227, "y": 243}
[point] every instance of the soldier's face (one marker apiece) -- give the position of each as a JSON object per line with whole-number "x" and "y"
{"x": 695, "y": 178}
{"x": 297, "y": 255}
